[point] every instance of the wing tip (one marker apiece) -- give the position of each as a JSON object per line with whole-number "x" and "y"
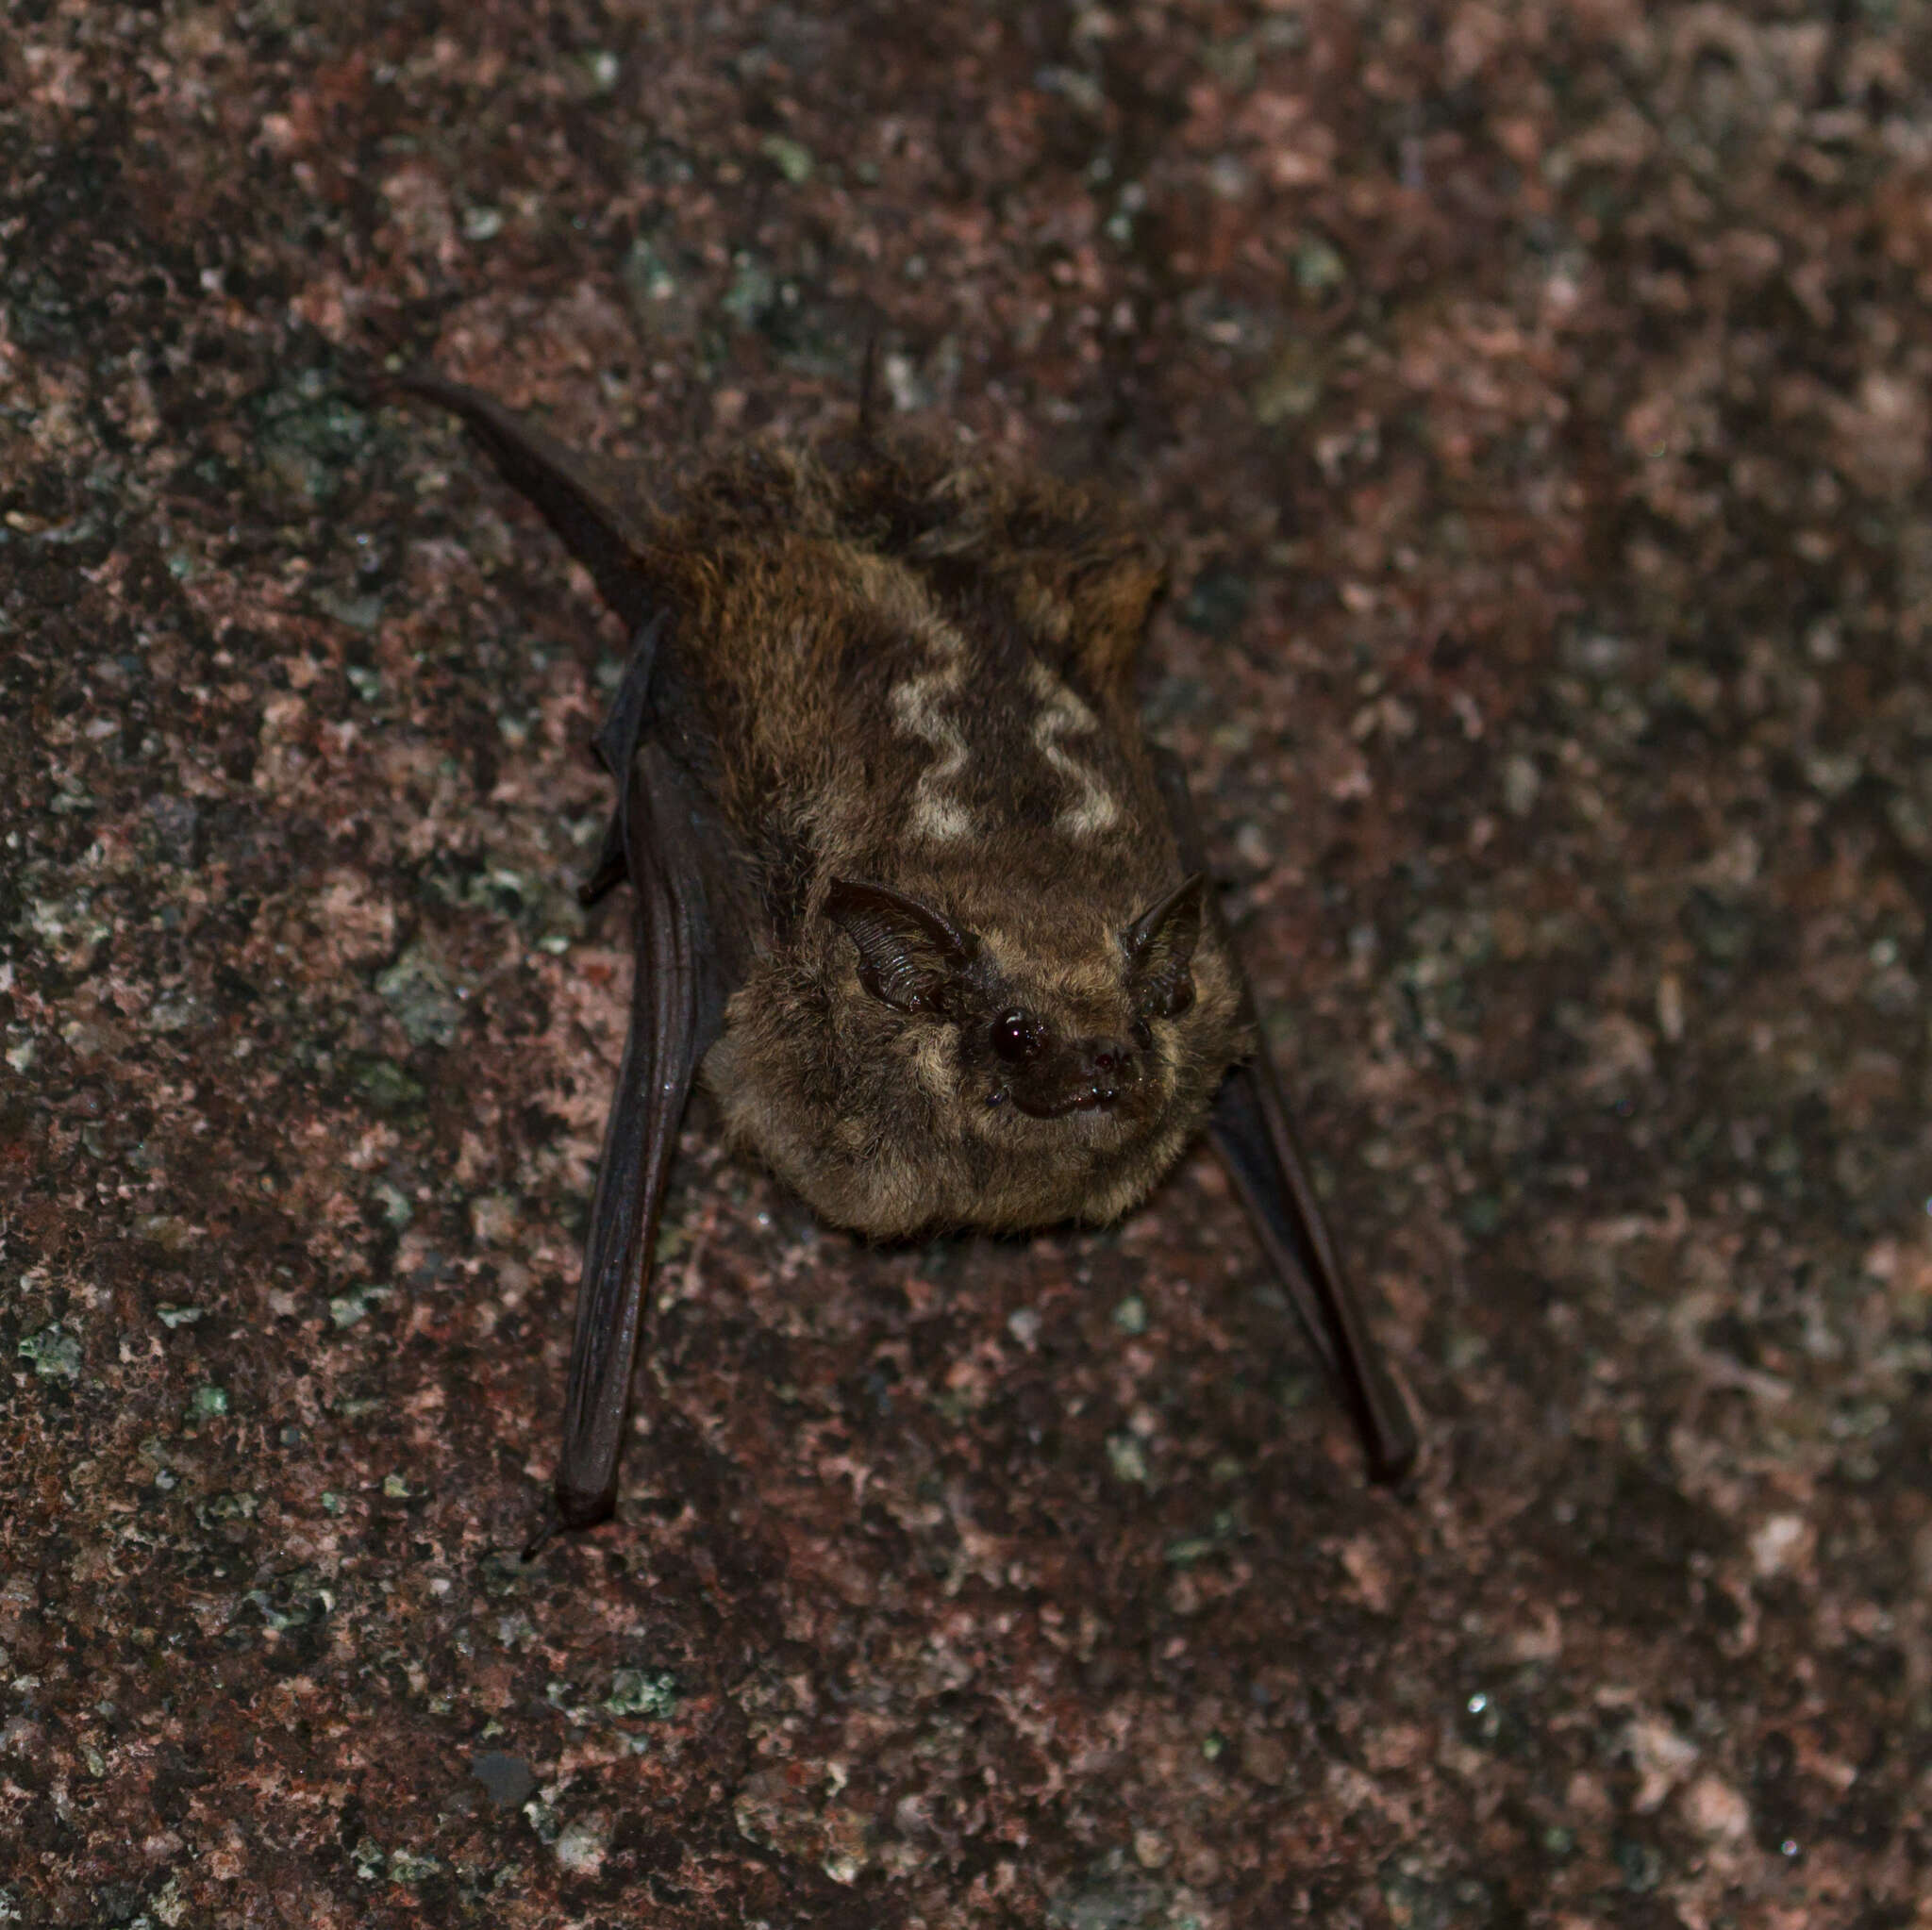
{"x": 1392, "y": 1446}
{"x": 584, "y": 1507}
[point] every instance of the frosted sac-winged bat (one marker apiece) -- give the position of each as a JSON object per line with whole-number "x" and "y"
{"x": 912, "y": 893}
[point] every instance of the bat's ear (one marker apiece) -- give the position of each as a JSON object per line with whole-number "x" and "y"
{"x": 1160, "y": 945}
{"x": 910, "y": 955}
{"x": 1121, "y": 598}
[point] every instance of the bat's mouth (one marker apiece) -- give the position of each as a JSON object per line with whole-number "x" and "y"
{"x": 1092, "y": 1075}
{"x": 1096, "y": 1098}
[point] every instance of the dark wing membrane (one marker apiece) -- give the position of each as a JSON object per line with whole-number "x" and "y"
{"x": 659, "y": 838}
{"x": 690, "y": 931}
{"x": 1251, "y": 1132}
{"x": 582, "y": 499}
{"x": 1250, "y": 1128}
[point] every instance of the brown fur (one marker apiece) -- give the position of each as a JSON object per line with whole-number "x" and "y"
{"x": 810, "y": 589}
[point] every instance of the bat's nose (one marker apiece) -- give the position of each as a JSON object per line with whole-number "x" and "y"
{"x": 1107, "y": 1068}
{"x": 1085, "y": 1075}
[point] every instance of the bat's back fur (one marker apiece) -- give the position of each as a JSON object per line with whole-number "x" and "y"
{"x": 890, "y": 669}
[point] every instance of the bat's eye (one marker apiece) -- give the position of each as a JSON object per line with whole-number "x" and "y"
{"x": 1017, "y": 1037}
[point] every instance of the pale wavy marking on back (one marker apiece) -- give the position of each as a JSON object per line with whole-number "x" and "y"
{"x": 1093, "y": 809}
{"x": 923, "y": 707}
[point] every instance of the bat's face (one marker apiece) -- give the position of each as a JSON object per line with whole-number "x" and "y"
{"x": 906, "y": 1070}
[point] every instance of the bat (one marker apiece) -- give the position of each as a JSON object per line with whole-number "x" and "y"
{"x": 912, "y": 893}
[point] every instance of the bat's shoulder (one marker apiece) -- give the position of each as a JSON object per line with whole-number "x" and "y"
{"x": 769, "y": 532}
{"x": 1077, "y": 568}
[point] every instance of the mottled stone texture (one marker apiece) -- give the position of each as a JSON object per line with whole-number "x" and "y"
{"x": 1534, "y": 401}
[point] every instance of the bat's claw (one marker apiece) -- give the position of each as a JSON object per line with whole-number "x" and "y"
{"x": 546, "y": 1530}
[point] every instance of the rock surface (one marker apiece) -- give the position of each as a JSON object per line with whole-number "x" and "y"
{"x": 1533, "y": 401}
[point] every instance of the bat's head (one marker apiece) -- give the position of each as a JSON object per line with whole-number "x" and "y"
{"x": 1002, "y": 1063}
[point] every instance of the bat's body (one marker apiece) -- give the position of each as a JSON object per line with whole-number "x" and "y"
{"x": 893, "y": 690}
{"x": 914, "y": 895}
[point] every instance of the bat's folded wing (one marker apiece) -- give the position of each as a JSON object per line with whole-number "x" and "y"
{"x": 665, "y": 841}
{"x": 662, "y": 839}
{"x": 1251, "y": 1132}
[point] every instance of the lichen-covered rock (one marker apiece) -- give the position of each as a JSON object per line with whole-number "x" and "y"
{"x": 1533, "y": 404}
